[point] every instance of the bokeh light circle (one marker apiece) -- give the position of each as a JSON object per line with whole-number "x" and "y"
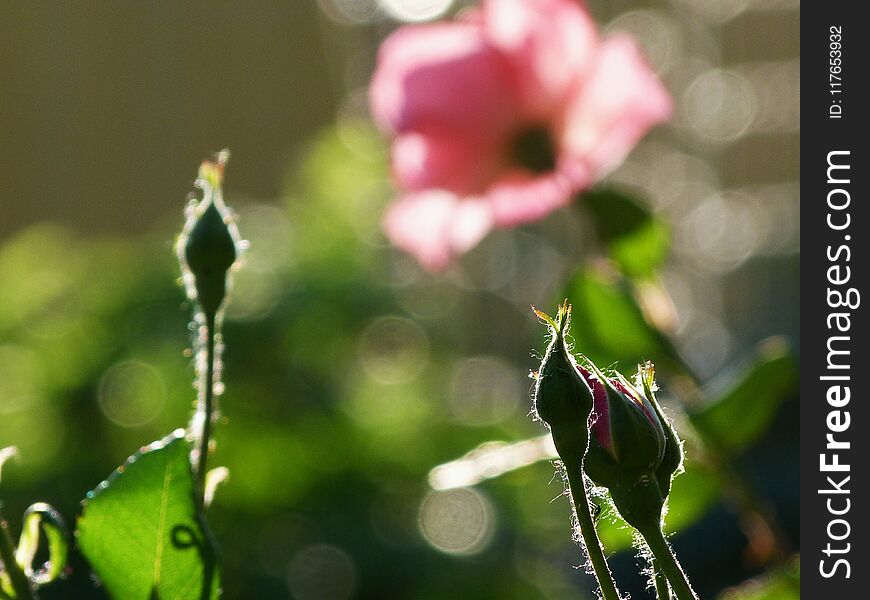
{"x": 258, "y": 285}
{"x": 720, "y": 105}
{"x": 350, "y": 12}
{"x": 322, "y": 572}
{"x": 131, "y": 393}
{"x": 393, "y": 349}
{"x": 716, "y": 12}
{"x": 484, "y": 390}
{"x": 459, "y": 521}
{"x": 415, "y": 10}
{"x": 18, "y": 371}
{"x": 657, "y": 32}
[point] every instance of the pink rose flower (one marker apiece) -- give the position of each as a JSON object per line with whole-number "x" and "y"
{"x": 502, "y": 116}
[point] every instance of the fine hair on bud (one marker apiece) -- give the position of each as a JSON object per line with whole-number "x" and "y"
{"x": 209, "y": 243}
{"x": 562, "y": 399}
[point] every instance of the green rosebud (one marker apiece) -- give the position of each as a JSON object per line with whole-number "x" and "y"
{"x": 209, "y": 244}
{"x": 562, "y": 398}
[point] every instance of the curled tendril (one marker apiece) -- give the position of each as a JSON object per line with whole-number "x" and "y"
{"x": 42, "y": 517}
{"x": 18, "y": 577}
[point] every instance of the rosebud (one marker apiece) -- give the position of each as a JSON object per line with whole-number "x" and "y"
{"x": 208, "y": 245}
{"x": 633, "y": 450}
{"x": 562, "y": 398}
{"x": 627, "y": 437}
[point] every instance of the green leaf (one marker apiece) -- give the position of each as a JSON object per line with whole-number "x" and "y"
{"x": 608, "y": 324}
{"x": 741, "y": 415}
{"x": 783, "y": 583}
{"x": 635, "y": 239}
{"x": 143, "y": 532}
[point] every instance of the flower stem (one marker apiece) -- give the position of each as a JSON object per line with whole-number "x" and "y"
{"x": 19, "y": 581}
{"x": 588, "y": 533}
{"x": 206, "y": 403}
{"x": 666, "y": 563}
{"x": 663, "y": 591}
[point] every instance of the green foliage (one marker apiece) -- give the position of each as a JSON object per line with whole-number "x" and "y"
{"x": 143, "y": 531}
{"x": 339, "y": 193}
{"x": 609, "y": 325}
{"x": 636, "y": 240}
{"x": 735, "y": 419}
{"x": 330, "y": 429}
{"x": 63, "y": 301}
{"x": 783, "y": 583}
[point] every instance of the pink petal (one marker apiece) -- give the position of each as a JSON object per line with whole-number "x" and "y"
{"x": 435, "y": 226}
{"x": 550, "y": 44}
{"x": 600, "y": 409}
{"x": 622, "y": 99}
{"x": 520, "y": 197}
{"x": 445, "y": 76}
{"x": 642, "y": 402}
{"x": 438, "y": 159}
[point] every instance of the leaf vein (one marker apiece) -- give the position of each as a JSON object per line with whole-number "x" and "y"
{"x": 164, "y": 501}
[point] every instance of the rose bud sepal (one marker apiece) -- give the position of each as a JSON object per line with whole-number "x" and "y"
{"x": 209, "y": 244}
{"x": 672, "y": 459}
{"x": 562, "y": 398}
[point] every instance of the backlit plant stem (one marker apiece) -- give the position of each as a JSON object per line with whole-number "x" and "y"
{"x": 207, "y": 249}
{"x": 206, "y": 403}
{"x": 663, "y": 591}
{"x": 587, "y": 531}
{"x": 667, "y": 563}
{"x": 19, "y": 581}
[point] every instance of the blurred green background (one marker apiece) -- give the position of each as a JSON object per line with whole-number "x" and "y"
{"x": 350, "y": 373}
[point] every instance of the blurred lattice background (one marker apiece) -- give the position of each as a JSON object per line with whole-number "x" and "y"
{"x": 349, "y": 372}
